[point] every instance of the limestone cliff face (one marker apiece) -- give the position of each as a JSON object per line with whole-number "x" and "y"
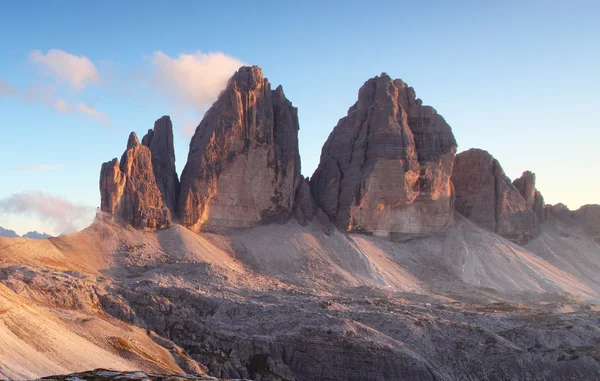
{"x": 485, "y": 195}
{"x": 161, "y": 144}
{"x": 386, "y": 167}
{"x": 589, "y": 218}
{"x": 243, "y": 167}
{"x": 142, "y": 188}
{"x": 534, "y": 199}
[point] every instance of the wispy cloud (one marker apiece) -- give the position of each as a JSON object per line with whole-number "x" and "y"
{"x": 66, "y": 216}
{"x": 77, "y": 71}
{"x": 34, "y": 168}
{"x": 193, "y": 81}
{"x": 6, "y": 88}
{"x": 47, "y": 95}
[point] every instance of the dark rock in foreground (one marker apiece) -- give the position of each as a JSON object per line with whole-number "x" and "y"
{"x": 108, "y": 375}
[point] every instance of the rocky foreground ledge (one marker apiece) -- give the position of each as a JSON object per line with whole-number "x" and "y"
{"x": 105, "y": 375}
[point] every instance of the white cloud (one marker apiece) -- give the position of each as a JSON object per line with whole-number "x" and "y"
{"x": 77, "y": 71}
{"x": 65, "y": 215}
{"x": 194, "y": 81}
{"x": 34, "y": 168}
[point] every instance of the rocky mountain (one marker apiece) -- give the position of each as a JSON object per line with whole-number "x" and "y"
{"x": 161, "y": 144}
{"x": 589, "y": 217}
{"x": 486, "y": 196}
{"x": 36, "y": 235}
{"x": 142, "y": 188}
{"x": 385, "y": 168}
{"x": 243, "y": 166}
{"x": 505, "y": 289}
{"x": 8, "y": 233}
{"x": 534, "y": 199}
{"x": 31, "y": 235}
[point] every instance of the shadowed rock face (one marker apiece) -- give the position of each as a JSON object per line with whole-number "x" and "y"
{"x": 534, "y": 199}
{"x": 589, "y": 217}
{"x": 386, "y": 166}
{"x": 305, "y": 208}
{"x": 243, "y": 167}
{"x": 486, "y": 196}
{"x": 141, "y": 189}
{"x": 160, "y": 142}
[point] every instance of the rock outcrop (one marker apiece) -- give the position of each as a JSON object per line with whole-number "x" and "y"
{"x": 486, "y": 196}
{"x": 386, "y": 167}
{"x": 129, "y": 189}
{"x": 304, "y": 204}
{"x": 589, "y": 217}
{"x": 160, "y": 142}
{"x": 560, "y": 211}
{"x": 534, "y": 199}
{"x": 243, "y": 167}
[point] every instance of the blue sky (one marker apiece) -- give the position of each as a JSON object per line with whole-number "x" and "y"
{"x": 519, "y": 79}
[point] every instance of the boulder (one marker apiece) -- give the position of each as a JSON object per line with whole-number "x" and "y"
{"x": 385, "y": 168}
{"x": 243, "y": 167}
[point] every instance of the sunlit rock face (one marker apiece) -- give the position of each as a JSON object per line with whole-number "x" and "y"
{"x": 243, "y": 167}
{"x": 385, "y": 169}
{"x": 485, "y": 195}
{"x": 141, "y": 189}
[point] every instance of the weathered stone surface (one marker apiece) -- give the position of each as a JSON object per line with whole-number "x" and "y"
{"x": 304, "y": 205}
{"x": 160, "y": 142}
{"x": 386, "y": 167}
{"x": 129, "y": 191}
{"x": 110, "y": 375}
{"x": 485, "y": 195}
{"x": 561, "y": 212}
{"x": 534, "y": 199}
{"x": 589, "y": 217}
{"x": 243, "y": 167}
